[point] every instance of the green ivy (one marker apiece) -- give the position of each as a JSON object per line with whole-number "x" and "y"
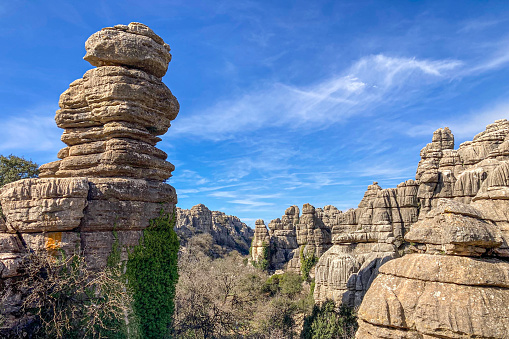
{"x": 152, "y": 274}
{"x": 113, "y": 260}
{"x": 306, "y": 263}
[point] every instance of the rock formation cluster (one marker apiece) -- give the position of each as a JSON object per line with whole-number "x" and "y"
{"x": 227, "y": 230}
{"x": 451, "y": 286}
{"x": 365, "y": 238}
{"x": 292, "y": 236}
{"x": 110, "y": 179}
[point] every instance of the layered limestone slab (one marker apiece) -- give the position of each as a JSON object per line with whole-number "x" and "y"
{"x": 36, "y": 205}
{"x": 450, "y": 269}
{"x": 435, "y": 308}
{"x": 446, "y": 295}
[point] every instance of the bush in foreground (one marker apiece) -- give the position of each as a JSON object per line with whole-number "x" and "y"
{"x": 330, "y": 322}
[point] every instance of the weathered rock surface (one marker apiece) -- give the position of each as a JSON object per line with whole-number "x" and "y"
{"x": 443, "y": 289}
{"x": 261, "y": 241}
{"x": 364, "y": 239}
{"x": 227, "y": 230}
{"x": 293, "y": 235}
{"x": 109, "y": 181}
{"x": 467, "y": 188}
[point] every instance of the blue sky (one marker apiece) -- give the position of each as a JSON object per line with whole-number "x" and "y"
{"x": 282, "y": 102}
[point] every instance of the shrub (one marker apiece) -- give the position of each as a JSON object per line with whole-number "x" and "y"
{"x": 152, "y": 272}
{"x": 64, "y": 299}
{"x": 329, "y": 322}
{"x": 288, "y": 284}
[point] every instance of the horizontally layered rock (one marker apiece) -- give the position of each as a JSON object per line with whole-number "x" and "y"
{"x": 451, "y": 287}
{"x": 226, "y": 230}
{"x": 444, "y": 172}
{"x": 283, "y": 237}
{"x": 260, "y": 245}
{"x": 110, "y": 180}
{"x": 364, "y": 239}
{"x": 294, "y": 235}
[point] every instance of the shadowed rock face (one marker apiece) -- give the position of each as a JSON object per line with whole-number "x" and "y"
{"x": 110, "y": 177}
{"x": 226, "y": 230}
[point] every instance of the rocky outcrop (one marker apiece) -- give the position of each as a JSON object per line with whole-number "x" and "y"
{"x": 260, "y": 246}
{"x": 293, "y": 235}
{"x": 365, "y": 238}
{"x": 451, "y": 286}
{"x": 454, "y": 282}
{"x": 283, "y": 237}
{"x": 110, "y": 179}
{"x": 227, "y": 230}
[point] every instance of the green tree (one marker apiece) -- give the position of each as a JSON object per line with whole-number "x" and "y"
{"x": 14, "y": 168}
{"x": 152, "y": 272}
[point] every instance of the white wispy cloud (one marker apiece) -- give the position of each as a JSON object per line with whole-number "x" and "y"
{"x": 368, "y": 83}
{"x": 479, "y": 24}
{"x": 251, "y": 203}
{"x": 33, "y": 130}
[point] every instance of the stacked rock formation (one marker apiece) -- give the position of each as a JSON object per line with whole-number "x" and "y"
{"x": 451, "y": 286}
{"x": 110, "y": 180}
{"x": 444, "y": 172}
{"x": 283, "y": 237}
{"x": 364, "y": 239}
{"x": 227, "y": 231}
{"x": 292, "y": 236}
{"x": 261, "y": 241}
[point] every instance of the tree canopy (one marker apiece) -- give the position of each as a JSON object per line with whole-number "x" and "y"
{"x": 14, "y": 168}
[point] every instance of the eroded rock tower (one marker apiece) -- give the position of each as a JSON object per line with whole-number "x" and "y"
{"x": 110, "y": 177}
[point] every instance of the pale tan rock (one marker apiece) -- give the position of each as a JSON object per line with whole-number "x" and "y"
{"x": 261, "y": 240}
{"x": 450, "y": 269}
{"x": 446, "y": 296}
{"x": 37, "y": 205}
{"x": 449, "y": 228}
{"x": 434, "y": 308}
{"x": 137, "y": 46}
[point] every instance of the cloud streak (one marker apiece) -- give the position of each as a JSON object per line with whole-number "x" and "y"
{"x": 367, "y": 84}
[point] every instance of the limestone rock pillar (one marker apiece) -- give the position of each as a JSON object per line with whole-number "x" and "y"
{"x": 110, "y": 179}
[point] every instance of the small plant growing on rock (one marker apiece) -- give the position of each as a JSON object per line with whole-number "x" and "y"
{"x": 263, "y": 261}
{"x": 307, "y": 261}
